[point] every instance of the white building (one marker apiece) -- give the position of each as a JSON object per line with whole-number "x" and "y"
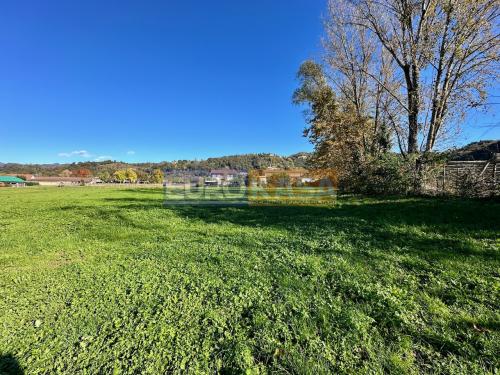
{"x": 224, "y": 176}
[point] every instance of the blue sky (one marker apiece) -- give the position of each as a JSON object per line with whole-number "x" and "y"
{"x": 156, "y": 80}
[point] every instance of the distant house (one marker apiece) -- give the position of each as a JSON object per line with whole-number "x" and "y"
{"x": 209, "y": 181}
{"x": 11, "y": 181}
{"x": 224, "y": 176}
{"x": 64, "y": 181}
{"x": 26, "y": 177}
{"x": 298, "y": 174}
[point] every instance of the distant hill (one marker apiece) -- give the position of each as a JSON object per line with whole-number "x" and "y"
{"x": 239, "y": 162}
{"x": 482, "y": 150}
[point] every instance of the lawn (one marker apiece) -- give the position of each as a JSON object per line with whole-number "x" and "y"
{"x": 109, "y": 280}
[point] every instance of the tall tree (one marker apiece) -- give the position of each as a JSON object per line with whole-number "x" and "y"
{"x": 359, "y": 70}
{"x": 335, "y": 129}
{"x": 464, "y": 59}
{"x": 445, "y": 50}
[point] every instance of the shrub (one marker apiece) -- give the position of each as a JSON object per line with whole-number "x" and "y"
{"x": 469, "y": 183}
{"x": 279, "y": 180}
{"x": 387, "y": 174}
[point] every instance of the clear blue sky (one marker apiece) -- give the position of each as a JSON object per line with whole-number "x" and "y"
{"x": 155, "y": 80}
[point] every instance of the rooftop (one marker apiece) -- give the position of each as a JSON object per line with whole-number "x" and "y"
{"x": 11, "y": 180}
{"x": 224, "y": 171}
{"x": 61, "y": 179}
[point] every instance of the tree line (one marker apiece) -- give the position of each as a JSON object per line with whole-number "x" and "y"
{"x": 106, "y": 169}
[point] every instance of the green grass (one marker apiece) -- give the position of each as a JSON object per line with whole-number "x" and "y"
{"x": 107, "y": 280}
{"x": 255, "y": 195}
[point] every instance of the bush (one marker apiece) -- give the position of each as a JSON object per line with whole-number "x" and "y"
{"x": 388, "y": 174}
{"x": 279, "y": 180}
{"x": 471, "y": 184}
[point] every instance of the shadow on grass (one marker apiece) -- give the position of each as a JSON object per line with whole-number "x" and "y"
{"x": 369, "y": 232}
{"x": 9, "y": 365}
{"x": 147, "y": 191}
{"x": 431, "y": 228}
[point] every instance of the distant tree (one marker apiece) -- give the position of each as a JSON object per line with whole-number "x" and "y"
{"x": 120, "y": 175}
{"x": 105, "y": 176}
{"x": 279, "y": 180}
{"x": 142, "y": 175}
{"x": 83, "y": 172}
{"x": 65, "y": 173}
{"x": 253, "y": 177}
{"x": 157, "y": 176}
{"x": 131, "y": 175}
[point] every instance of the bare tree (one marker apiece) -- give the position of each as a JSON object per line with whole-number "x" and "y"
{"x": 445, "y": 50}
{"x": 465, "y": 57}
{"x": 349, "y": 56}
{"x": 362, "y": 73}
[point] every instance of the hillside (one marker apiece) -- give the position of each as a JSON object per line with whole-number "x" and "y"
{"x": 481, "y": 150}
{"x": 239, "y": 162}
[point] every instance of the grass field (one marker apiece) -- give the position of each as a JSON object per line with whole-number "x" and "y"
{"x": 253, "y": 196}
{"x": 101, "y": 280}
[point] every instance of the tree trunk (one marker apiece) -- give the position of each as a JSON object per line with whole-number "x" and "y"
{"x": 411, "y": 78}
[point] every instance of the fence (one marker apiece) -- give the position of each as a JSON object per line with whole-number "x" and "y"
{"x": 474, "y": 178}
